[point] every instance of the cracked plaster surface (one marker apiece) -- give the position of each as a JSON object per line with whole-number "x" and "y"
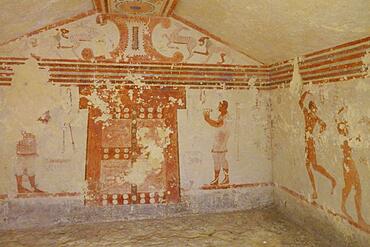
{"x": 263, "y": 227}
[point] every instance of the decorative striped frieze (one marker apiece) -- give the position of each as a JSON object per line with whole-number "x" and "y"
{"x": 340, "y": 63}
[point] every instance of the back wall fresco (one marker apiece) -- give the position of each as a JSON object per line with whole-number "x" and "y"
{"x": 113, "y": 110}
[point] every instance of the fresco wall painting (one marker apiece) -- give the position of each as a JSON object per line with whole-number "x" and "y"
{"x": 129, "y": 73}
{"x": 335, "y": 130}
{"x": 133, "y": 158}
{"x": 132, "y": 74}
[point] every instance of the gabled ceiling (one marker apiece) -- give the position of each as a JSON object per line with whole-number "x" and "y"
{"x": 18, "y": 17}
{"x": 267, "y": 30}
{"x": 276, "y": 30}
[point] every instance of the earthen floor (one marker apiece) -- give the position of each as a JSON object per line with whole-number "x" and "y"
{"x": 250, "y": 228}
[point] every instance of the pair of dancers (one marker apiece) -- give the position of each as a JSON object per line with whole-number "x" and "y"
{"x": 350, "y": 173}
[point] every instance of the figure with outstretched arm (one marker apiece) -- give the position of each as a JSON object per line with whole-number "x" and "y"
{"x": 350, "y": 173}
{"x": 311, "y": 120}
{"x": 219, "y": 148}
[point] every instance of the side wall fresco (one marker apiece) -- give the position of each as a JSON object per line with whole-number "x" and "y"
{"x": 320, "y": 134}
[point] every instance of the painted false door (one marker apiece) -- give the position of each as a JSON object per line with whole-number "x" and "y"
{"x": 132, "y": 157}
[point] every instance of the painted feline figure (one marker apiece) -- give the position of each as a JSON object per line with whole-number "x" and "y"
{"x": 176, "y": 38}
{"x": 211, "y": 48}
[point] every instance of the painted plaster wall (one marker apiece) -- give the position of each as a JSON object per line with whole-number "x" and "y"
{"x": 329, "y": 139}
{"x": 61, "y": 143}
{"x": 159, "y": 39}
{"x": 289, "y": 154}
{"x": 248, "y": 149}
{"x": 58, "y": 88}
{"x": 249, "y": 145}
{"x": 337, "y": 232}
{"x": 67, "y": 81}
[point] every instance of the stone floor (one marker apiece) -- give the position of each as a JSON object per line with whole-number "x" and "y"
{"x": 250, "y": 228}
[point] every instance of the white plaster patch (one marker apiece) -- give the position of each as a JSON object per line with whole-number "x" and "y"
{"x": 296, "y": 84}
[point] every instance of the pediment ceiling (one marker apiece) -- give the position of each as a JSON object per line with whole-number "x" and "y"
{"x": 272, "y": 31}
{"x": 19, "y": 17}
{"x": 267, "y": 30}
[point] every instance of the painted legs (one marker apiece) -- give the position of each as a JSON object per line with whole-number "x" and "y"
{"x": 226, "y": 178}
{"x": 220, "y": 162}
{"x": 326, "y": 174}
{"x": 311, "y": 163}
{"x": 312, "y": 179}
{"x": 24, "y": 165}
{"x": 353, "y": 181}
{"x": 33, "y": 184}
{"x": 22, "y": 189}
{"x": 216, "y": 178}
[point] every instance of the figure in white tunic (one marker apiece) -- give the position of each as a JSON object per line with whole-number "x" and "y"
{"x": 219, "y": 149}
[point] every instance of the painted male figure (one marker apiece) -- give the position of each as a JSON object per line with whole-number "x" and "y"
{"x": 311, "y": 120}
{"x": 350, "y": 173}
{"x": 26, "y": 158}
{"x": 219, "y": 149}
{"x": 25, "y": 162}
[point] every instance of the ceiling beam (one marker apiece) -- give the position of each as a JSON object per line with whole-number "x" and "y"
{"x": 101, "y": 6}
{"x": 169, "y": 7}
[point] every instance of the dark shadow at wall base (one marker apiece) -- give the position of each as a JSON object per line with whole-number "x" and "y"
{"x": 335, "y": 229}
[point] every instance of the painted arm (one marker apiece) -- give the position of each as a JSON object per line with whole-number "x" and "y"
{"x": 322, "y": 125}
{"x": 338, "y": 125}
{"x": 303, "y": 97}
{"x": 357, "y": 138}
{"x": 38, "y": 58}
{"x": 214, "y": 123}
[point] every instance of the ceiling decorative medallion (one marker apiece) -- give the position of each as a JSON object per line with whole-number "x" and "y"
{"x": 136, "y": 7}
